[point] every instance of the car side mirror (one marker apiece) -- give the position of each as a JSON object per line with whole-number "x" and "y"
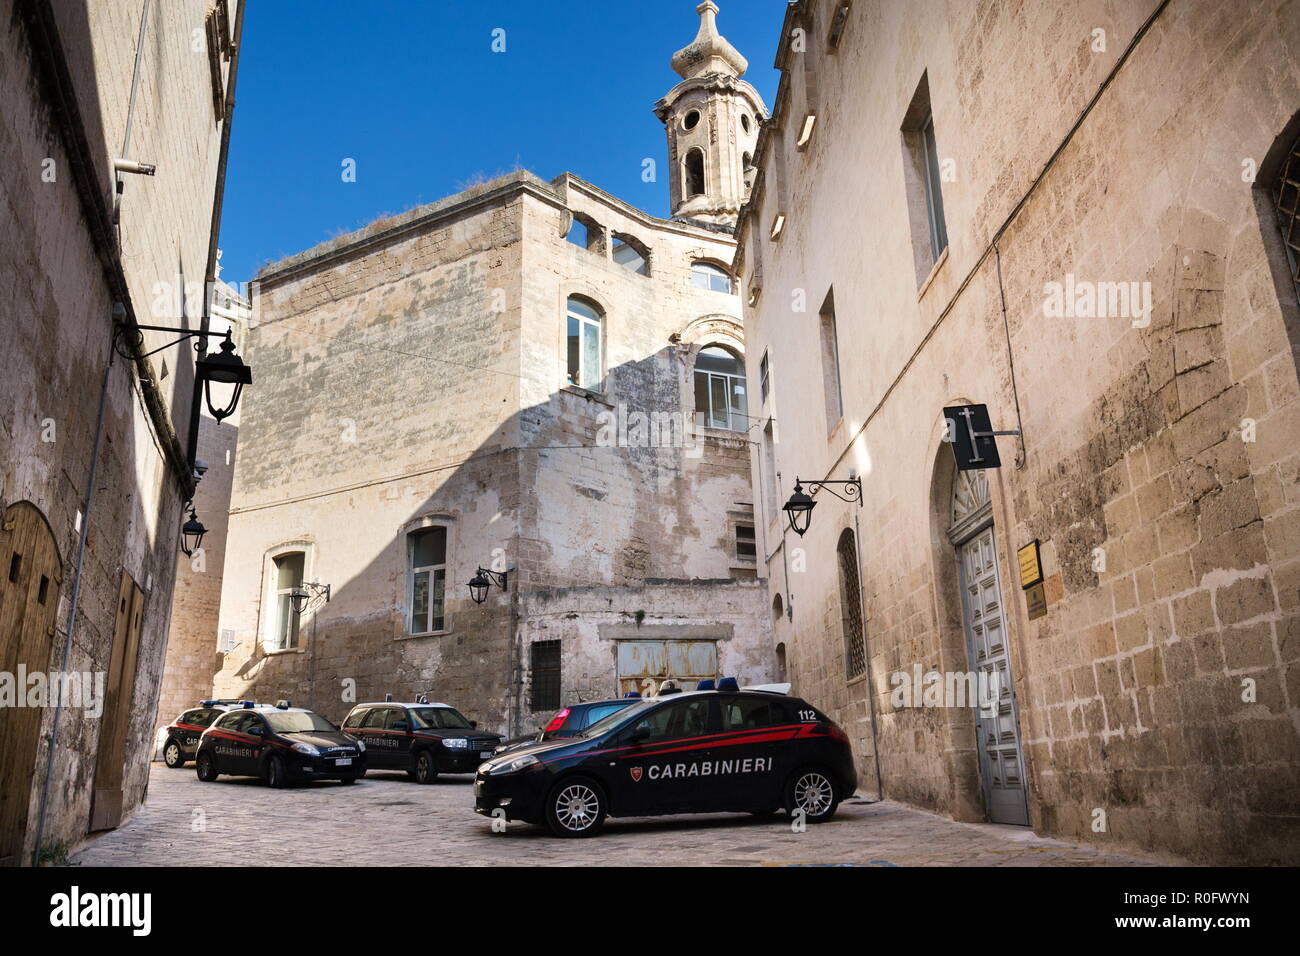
{"x": 256, "y": 731}
{"x": 401, "y": 725}
{"x": 639, "y": 736}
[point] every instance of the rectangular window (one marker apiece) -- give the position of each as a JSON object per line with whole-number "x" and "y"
{"x": 933, "y": 194}
{"x": 746, "y": 549}
{"x": 584, "y": 346}
{"x": 764, "y": 377}
{"x": 831, "y": 363}
{"x": 772, "y": 493}
{"x": 287, "y": 577}
{"x": 545, "y": 661}
{"x": 428, "y": 561}
{"x": 922, "y": 178}
{"x": 720, "y": 400}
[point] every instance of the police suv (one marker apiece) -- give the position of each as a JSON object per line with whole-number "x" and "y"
{"x": 181, "y": 736}
{"x": 281, "y": 744}
{"x": 421, "y": 738}
{"x": 704, "y": 751}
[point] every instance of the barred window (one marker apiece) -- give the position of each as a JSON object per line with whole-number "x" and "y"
{"x": 546, "y": 675}
{"x": 855, "y": 650}
{"x": 1286, "y": 198}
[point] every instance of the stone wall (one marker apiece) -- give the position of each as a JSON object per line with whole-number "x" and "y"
{"x": 1157, "y": 697}
{"x": 59, "y": 135}
{"x": 416, "y": 373}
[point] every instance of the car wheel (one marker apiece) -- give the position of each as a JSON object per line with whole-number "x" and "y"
{"x": 811, "y": 790}
{"x": 575, "y": 808}
{"x": 425, "y": 769}
{"x": 172, "y": 755}
{"x": 351, "y": 779}
{"x": 276, "y": 777}
{"x": 205, "y": 768}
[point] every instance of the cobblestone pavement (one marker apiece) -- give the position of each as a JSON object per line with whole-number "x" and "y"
{"x": 387, "y": 819}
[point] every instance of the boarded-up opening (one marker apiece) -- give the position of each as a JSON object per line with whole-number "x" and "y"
{"x": 110, "y": 761}
{"x": 642, "y": 665}
{"x": 29, "y": 599}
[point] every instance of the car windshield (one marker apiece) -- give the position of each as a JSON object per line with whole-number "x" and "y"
{"x": 607, "y": 724}
{"x": 297, "y": 722}
{"x": 439, "y": 718}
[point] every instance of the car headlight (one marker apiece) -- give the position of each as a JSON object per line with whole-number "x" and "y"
{"x": 455, "y": 743}
{"x": 307, "y": 749}
{"x": 513, "y": 766}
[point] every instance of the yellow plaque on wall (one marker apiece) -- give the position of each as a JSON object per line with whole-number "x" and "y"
{"x": 1031, "y": 567}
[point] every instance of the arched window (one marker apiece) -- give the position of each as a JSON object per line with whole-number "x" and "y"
{"x": 631, "y": 254}
{"x": 1286, "y": 200}
{"x": 855, "y": 644}
{"x": 705, "y": 275}
{"x": 694, "y": 167}
{"x": 720, "y": 390}
{"x": 585, "y": 328}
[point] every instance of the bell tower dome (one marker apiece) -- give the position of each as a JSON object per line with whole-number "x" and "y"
{"x": 712, "y": 118}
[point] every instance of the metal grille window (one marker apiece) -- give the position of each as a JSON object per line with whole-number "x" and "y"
{"x": 546, "y": 675}
{"x": 746, "y": 549}
{"x": 855, "y": 646}
{"x": 1286, "y": 197}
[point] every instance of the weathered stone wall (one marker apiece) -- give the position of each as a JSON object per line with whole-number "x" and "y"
{"x": 1133, "y": 689}
{"x": 416, "y": 371}
{"x": 57, "y": 324}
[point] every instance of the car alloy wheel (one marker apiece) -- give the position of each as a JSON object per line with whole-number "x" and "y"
{"x": 577, "y": 807}
{"x": 814, "y": 795}
{"x": 205, "y": 768}
{"x": 425, "y": 771}
{"x": 172, "y": 755}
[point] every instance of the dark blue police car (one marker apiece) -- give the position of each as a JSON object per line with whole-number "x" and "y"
{"x": 702, "y": 751}
{"x": 422, "y": 738}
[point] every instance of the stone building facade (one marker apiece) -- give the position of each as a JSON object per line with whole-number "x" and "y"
{"x": 529, "y": 377}
{"x": 1068, "y": 213}
{"x": 94, "y": 440}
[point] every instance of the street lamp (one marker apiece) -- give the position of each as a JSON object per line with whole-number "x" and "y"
{"x": 225, "y": 368}
{"x": 799, "y": 507}
{"x": 307, "y": 592}
{"x": 192, "y": 533}
{"x": 482, "y": 580}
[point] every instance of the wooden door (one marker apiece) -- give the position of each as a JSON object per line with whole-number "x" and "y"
{"x": 31, "y": 574}
{"x": 110, "y": 760}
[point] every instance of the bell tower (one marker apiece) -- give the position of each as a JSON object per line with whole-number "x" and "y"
{"x": 712, "y": 118}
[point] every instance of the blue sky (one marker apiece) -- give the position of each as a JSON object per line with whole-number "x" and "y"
{"x": 411, "y": 90}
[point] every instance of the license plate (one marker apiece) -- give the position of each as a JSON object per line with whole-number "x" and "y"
{"x": 485, "y": 755}
{"x": 343, "y": 762}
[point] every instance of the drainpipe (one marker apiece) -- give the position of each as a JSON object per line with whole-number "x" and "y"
{"x": 214, "y": 233}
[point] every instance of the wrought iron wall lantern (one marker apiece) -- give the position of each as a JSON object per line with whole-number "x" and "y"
{"x": 483, "y": 579}
{"x": 307, "y": 594}
{"x": 192, "y": 533}
{"x": 799, "y": 508}
{"x": 223, "y": 367}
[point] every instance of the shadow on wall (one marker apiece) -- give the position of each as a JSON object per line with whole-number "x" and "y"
{"x": 598, "y": 491}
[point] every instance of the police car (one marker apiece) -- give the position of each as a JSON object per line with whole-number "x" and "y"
{"x": 705, "y": 751}
{"x": 570, "y": 721}
{"x": 422, "y": 738}
{"x": 181, "y": 736}
{"x": 281, "y": 744}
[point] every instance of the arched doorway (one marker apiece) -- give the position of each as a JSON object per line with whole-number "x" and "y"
{"x": 1001, "y": 756}
{"x": 31, "y": 573}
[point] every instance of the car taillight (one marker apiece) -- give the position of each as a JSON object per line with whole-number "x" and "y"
{"x": 837, "y": 733}
{"x": 557, "y": 721}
